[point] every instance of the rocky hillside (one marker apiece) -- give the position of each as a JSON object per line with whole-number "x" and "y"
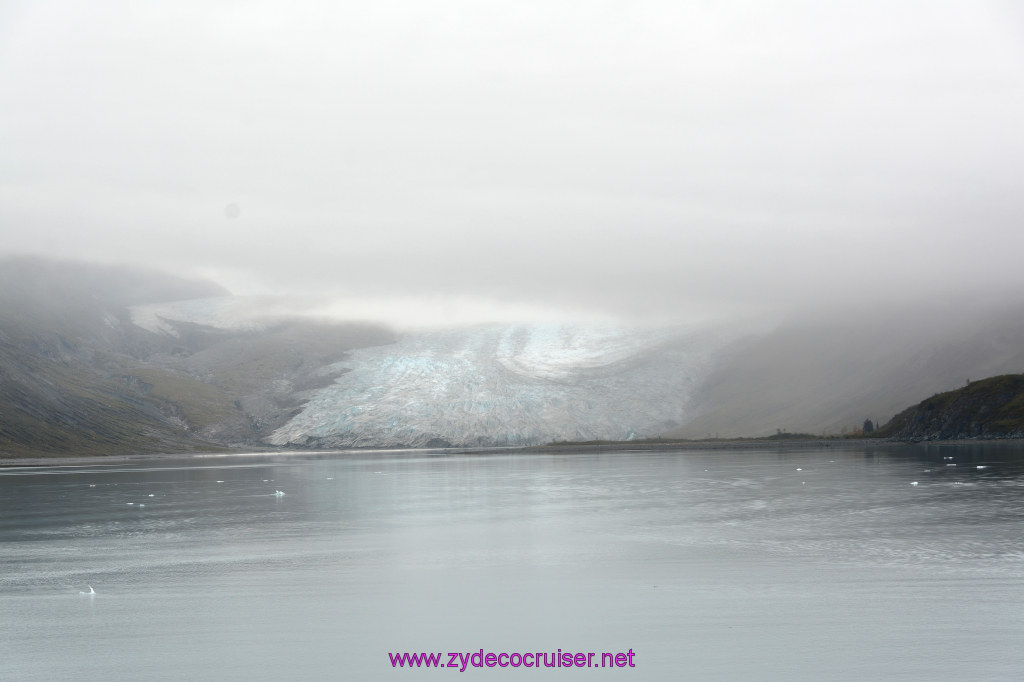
{"x": 990, "y": 408}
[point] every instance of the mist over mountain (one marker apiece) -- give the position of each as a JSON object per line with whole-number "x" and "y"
{"x": 647, "y": 166}
{"x": 77, "y": 376}
{"x": 98, "y": 360}
{"x": 178, "y": 364}
{"x": 821, "y": 372}
{"x": 501, "y": 383}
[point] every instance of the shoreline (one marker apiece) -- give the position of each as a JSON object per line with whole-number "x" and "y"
{"x": 700, "y": 445}
{"x": 98, "y": 460}
{"x": 551, "y": 448}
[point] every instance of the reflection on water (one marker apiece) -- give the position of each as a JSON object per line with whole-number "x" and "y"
{"x": 801, "y": 564}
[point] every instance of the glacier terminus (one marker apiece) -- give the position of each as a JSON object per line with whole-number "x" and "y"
{"x": 508, "y": 385}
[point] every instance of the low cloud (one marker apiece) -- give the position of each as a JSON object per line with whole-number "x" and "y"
{"x": 647, "y": 160}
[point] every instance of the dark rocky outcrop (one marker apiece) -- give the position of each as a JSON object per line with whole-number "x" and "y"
{"x": 990, "y": 408}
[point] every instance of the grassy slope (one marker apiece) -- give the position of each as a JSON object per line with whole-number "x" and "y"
{"x": 52, "y": 407}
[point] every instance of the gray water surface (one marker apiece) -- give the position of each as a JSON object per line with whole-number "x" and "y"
{"x": 821, "y": 564}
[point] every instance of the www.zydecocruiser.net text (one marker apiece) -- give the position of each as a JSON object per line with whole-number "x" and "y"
{"x": 462, "y": 660}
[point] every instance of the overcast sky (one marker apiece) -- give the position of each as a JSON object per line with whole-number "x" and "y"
{"x": 602, "y": 156}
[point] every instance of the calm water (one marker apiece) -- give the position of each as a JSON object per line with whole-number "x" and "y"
{"x": 791, "y": 565}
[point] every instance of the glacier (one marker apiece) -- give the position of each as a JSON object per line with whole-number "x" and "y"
{"x": 509, "y": 385}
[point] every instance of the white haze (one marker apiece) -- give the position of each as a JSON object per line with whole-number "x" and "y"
{"x": 405, "y": 313}
{"x": 511, "y": 159}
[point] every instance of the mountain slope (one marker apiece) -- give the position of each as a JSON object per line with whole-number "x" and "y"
{"x": 97, "y": 360}
{"x": 990, "y": 408}
{"x": 78, "y": 377}
{"x": 67, "y": 380}
{"x": 821, "y": 373}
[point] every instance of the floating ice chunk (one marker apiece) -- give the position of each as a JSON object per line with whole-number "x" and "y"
{"x": 913, "y": 483}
